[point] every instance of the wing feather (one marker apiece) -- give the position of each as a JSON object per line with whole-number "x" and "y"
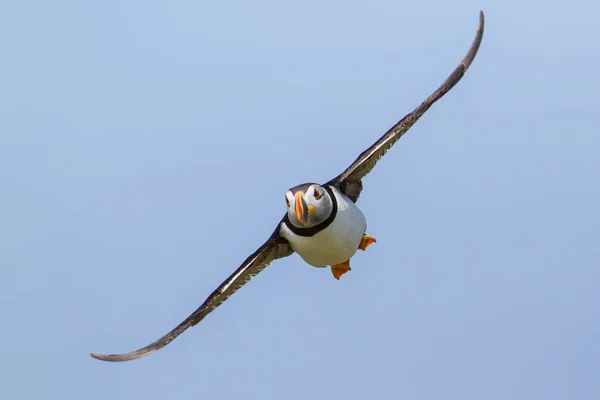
{"x": 349, "y": 179}
{"x": 275, "y": 247}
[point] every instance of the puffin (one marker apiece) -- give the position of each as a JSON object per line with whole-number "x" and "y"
{"x": 322, "y": 223}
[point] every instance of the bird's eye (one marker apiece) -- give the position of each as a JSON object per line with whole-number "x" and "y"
{"x": 287, "y": 202}
{"x": 317, "y": 194}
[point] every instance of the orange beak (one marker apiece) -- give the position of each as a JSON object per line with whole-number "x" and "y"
{"x": 301, "y": 208}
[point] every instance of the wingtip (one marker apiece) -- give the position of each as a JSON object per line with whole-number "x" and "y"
{"x": 107, "y": 357}
{"x": 134, "y": 355}
{"x": 101, "y": 357}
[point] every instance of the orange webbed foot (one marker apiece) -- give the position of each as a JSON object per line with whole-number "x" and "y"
{"x": 340, "y": 269}
{"x": 366, "y": 241}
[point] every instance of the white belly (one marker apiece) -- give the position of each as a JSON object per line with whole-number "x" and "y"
{"x": 336, "y": 243}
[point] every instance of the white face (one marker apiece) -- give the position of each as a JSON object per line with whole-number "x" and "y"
{"x": 308, "y": 207}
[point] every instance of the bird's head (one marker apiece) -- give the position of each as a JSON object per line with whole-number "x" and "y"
{"x": 308, "y": 205}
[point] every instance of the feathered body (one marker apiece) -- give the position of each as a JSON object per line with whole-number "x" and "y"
{"x": 337, "y": 242}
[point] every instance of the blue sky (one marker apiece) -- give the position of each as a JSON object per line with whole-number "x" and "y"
{"x": 145, "y": 149}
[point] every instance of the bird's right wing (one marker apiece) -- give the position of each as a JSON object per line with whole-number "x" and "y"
{"x": 275, "y": 247}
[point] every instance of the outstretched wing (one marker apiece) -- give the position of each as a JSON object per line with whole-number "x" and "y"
{"x": 349, "y": 181}
{"x": 275, "y": 247}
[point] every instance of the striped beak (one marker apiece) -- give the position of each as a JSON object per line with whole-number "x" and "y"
{"x": 301, "y": 209}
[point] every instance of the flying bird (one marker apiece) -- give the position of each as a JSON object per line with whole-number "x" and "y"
{"x": 322, "y": 223}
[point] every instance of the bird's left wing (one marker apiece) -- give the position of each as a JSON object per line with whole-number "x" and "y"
{"x": 275, "y": 247}
{"x": 349, "y": 181}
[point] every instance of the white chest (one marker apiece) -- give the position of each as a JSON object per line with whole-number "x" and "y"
{"x": 336, "y": 243}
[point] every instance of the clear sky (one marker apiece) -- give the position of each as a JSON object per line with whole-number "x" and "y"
{"x": 145, "y": 149}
